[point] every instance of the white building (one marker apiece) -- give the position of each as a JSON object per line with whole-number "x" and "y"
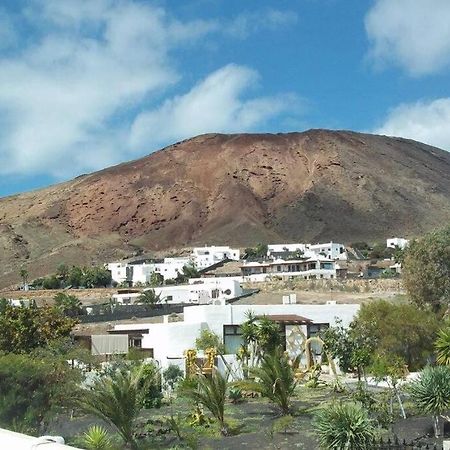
{"x": 199, "y": 291}
{"x": 171, "y": 267}
{"x": 204, "y": 257}
{"x": 134, "y": 273}
{"x": 397, "y": 242}
{"x": 313, "y": 268}
{"x": 168, "y": 341}
{"x": 330, "y": 250}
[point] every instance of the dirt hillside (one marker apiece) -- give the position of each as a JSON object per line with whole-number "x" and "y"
{"x": 237, "y": 189}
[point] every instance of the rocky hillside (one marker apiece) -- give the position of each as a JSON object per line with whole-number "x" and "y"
{"x": 237, "y": 189}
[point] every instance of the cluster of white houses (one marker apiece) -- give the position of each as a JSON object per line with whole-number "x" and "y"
{"x": 282, "y": 261}
{"x": 140, "y": 272}
{"x": 306, "y": 260}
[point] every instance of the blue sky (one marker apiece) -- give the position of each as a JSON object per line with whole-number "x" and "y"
{"x": 85, "y": 84}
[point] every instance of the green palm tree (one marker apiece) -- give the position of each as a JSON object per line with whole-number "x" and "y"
{"x": 149, "y": 297}
{"x": 431, "y": 393}
{"x": 260, "y": 335}
{"x": 211, "y": 392}
{"x": 273, "y": 379}
{"x": 442, "y": 345}
{"x": 344, "y": 426}
{"x": 68, "y": 304}
{"x": 116, "y": 399}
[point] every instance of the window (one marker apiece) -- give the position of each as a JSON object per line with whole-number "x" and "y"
{"x": 315, "y": 328}
{"x": 136, "y": 342}
{"x": 232, "y": 338}
{"x": 169, "y": 298}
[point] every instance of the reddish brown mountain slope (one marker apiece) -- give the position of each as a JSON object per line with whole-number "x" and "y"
{"x": 237, "y": 189}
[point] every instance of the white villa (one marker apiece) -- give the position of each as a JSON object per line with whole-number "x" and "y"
{"x": 199, "y": 291}
{"x": 401, "y": 243}
{"x": 204, "y": 257}
{"x": 134, "y": 273}
{"x": 330, "y": 250}
{"x": 313, "y": 268}
{"x": 168, "y": 341}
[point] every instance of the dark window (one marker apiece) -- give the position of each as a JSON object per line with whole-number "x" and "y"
{"x": 232, "y": 338}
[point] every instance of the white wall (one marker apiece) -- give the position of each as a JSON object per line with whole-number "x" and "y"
{"x": 170, "y": 340}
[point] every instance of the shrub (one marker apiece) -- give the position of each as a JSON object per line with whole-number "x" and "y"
{"x": 442, "y": 345}
{"x": 273, "y": 379}
{"x": 344, "y": 426}
{"x": 97, "y": 438}
{"x": 431, "y": 393}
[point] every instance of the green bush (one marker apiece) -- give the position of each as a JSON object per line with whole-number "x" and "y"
{"x": 344, "y": 426}
{"x": 431, "y": 393}
{"x": 32, "y": 390}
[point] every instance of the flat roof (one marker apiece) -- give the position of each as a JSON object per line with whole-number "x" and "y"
{"x": 288, "y": 319}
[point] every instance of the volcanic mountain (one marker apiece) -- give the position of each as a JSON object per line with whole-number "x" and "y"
{"x": 237, "y": 189}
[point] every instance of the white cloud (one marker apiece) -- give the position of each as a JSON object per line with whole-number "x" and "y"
{"x": 253, "y": 22}
{"x": 214, "y": 104}
{"x": 412, "y": 34}
{"x": 69, "y": 96}
{"x": 426, "y": 122}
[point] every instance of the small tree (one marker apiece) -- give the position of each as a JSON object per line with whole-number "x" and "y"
{"x": 32, "y": 390}
{"x": 391, "y": 369}
{"x": 25, "y": 328}
{"x": 260, "y": 335}
{"x": 426, "y": 270}
{"x": 431, "y": 393}
{"x": 352, "y": 349}
{"x": 344, "y": 426}
{"x": 68, "y": 304}
{"x": 273, "y": 379}
{"x": 208, "y": 339}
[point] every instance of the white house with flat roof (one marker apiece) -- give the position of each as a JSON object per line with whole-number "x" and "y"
{"x": 312, "y": 268}
{"x": 204, "y": 257}
{"x": 329, "y": 250}
{"x": 397, "y": 242}
{"x": 134, "y": 273}
{"x": 169, "y": 341}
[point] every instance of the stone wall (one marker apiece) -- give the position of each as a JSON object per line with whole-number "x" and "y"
{"x": 348, "y": 285}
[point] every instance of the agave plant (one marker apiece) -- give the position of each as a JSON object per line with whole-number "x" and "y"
{"x": 344, "y": 426}
{"x": 211, "y": 393}
{"x": 431, "y": 392}
{"x": 273, "y": 379}
{"x": 97, "y": 438}
{"x": 442, "y": 345}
